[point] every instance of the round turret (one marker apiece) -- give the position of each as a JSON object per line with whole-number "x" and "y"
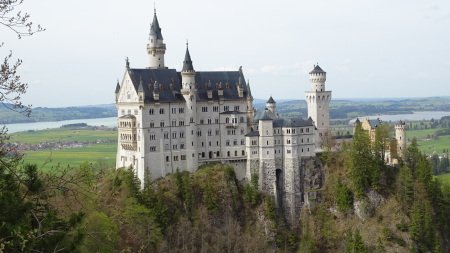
{"x": 400, "y": 135}
{"x": 317, "y": 78}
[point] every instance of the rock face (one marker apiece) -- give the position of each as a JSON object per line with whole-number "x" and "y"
{"x": 365, "y": 208}
{"x": 314, "y": 180}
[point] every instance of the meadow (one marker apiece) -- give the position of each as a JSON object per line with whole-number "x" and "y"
{"x": 93, "y": 153}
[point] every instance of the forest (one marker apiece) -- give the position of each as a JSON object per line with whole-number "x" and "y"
{"x": 365, "y": 206}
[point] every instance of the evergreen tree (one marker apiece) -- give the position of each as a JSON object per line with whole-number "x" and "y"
{"x": 362, "y": 161}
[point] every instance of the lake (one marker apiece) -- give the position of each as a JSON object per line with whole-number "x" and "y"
{"x": 416, "y": 116}
{"x": 19, "y": 127}
{"x": 112, "y": 121}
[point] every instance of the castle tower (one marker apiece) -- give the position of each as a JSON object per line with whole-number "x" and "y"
{"x": 189, "y": 92}
{"x": 267, "y": 177}
{"x": 250, "y": 110}
{"x": 318, "y": 100}
{"x": 271, "y": 105}
{"x": 400, "y": 135}
{"x": 156, "y": 47}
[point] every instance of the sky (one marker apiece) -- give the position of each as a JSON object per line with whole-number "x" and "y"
{"x": 369, "y": 49}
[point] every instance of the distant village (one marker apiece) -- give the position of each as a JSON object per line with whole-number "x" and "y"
{"x": 63, "y": 144}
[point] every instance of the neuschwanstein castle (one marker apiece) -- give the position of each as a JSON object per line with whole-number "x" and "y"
{"x": 171, "y": 120}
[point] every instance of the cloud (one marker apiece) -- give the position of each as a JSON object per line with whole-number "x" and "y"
{"x": 293, "y": 68}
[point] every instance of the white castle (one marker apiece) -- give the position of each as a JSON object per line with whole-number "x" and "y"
{"x": 169, "y": 120}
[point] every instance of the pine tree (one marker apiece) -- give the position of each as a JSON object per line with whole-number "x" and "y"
{"x": 362, "y": 161}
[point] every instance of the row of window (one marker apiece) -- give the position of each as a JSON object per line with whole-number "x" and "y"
{"x": 127, "y": 124}
{"x": 152, "y": 111}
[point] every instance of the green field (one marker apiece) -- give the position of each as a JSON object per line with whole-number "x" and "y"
{"x": 62, "y": 134}
{"x": 445, "y": 178}
{"x": 47, "y": 158}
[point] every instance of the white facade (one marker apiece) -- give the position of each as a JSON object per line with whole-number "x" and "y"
{"x": 169, "y": 120}
{"x": 318, "y": 100}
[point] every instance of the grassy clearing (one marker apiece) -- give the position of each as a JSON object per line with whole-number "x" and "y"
{"x": 445, "y": 178}
{"x": 61, "y": 134}
{"x": 73, "y": 156}
{"x": 46, "y": 158}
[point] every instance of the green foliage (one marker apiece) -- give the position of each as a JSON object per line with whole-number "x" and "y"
{"x": 307, "y": 243}
{"x": 251, "y": 192}
{"x": 344, "y": 197}
{"x": 209, "y": 194}
{"x": 270, "y": 207}
{"x": 405, "y": 189}
{"x": 362, "y": 169}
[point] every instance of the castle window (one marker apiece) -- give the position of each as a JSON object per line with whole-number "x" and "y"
{"x": 201, "y": 121}
{"x": 218, "y": 153}
{"x": 174, "y": 135}
{"x": 228, "y": 143}
{"x": 209, "y": 121}
{"x": 181, "y": 110}
{"x": 203, "y": 144}
{"x": 216, "y": 120}
{"x": 215, "y": 108}
{"x": 199, "y": 132}
{"x": 243, "y": 152}
{"x": 174, "y": 147}
{"x": 236, "y": 107}
{"x": 166, "y": 135}
{"x": 226, "y": 108}
{"x": 167, "y": 158}
{"x": 217, "y": 132}
{"x": 166, "y": 147}
{"x": 182, "y": 146}
{"x": 228, "y": 153}
{"x": 153, "y": 149}
{"x": 161, "y": 110}
{"x": 288, "y": 151}
{"x": 242, "y": 142}
{"x": 161, "y": 124}
{"x": 183, "y": 157}
{"x": 151, "y": 111}
{"x": 241, "y": 119}
{"x": 152, "y": 136}
{"x": 174, "y": 123}
{"x": 301, "y": 130}
{"x": 175, "y": 158}
{"x": 227, "y": 120}
{"x": 209, "y": 132}
{"x": 123, "y": 112}
{"x": 307, "y": 140}
{"x": 152, "y": 124}
{"x": 235, "y": 153}
{"x": 209, "y": 144}
{"x": 191, "y": 120}
{"x": 174, "y": 110}
{"x": 204, "y": 109}
{"x": 288, "y": 141}
{"x": 242, "y": 130}
{"x": 235, "y": 142}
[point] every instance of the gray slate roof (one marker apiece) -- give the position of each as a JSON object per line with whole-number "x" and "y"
{"x": 293, "y": 122}
{"x": 155, "y": 29}
{"x": 170, "y": 81}
{"x": 252, "y": 134}
{"x": 374, "y": 123}
{"x": 317, "y": 69}
{"x": 187, "y": 63}
{"x": 271, "y": 101}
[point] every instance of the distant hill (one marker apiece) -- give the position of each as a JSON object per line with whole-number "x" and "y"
{"x": 43, "y": 114}
{"x": 341, "y": 110}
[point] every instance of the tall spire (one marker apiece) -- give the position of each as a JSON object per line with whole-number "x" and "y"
{"x": 155, "y": 29}
{"x": 187, "y": 63}
{"x": 249, "y": 91}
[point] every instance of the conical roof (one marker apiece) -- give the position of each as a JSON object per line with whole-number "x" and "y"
{"x": 117, "y": 86}
{"x": 187, "y": 63}
{"x": 155, "y": 29}
{"x": 271, "y": 101}
{"x": 317, "y": 69}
